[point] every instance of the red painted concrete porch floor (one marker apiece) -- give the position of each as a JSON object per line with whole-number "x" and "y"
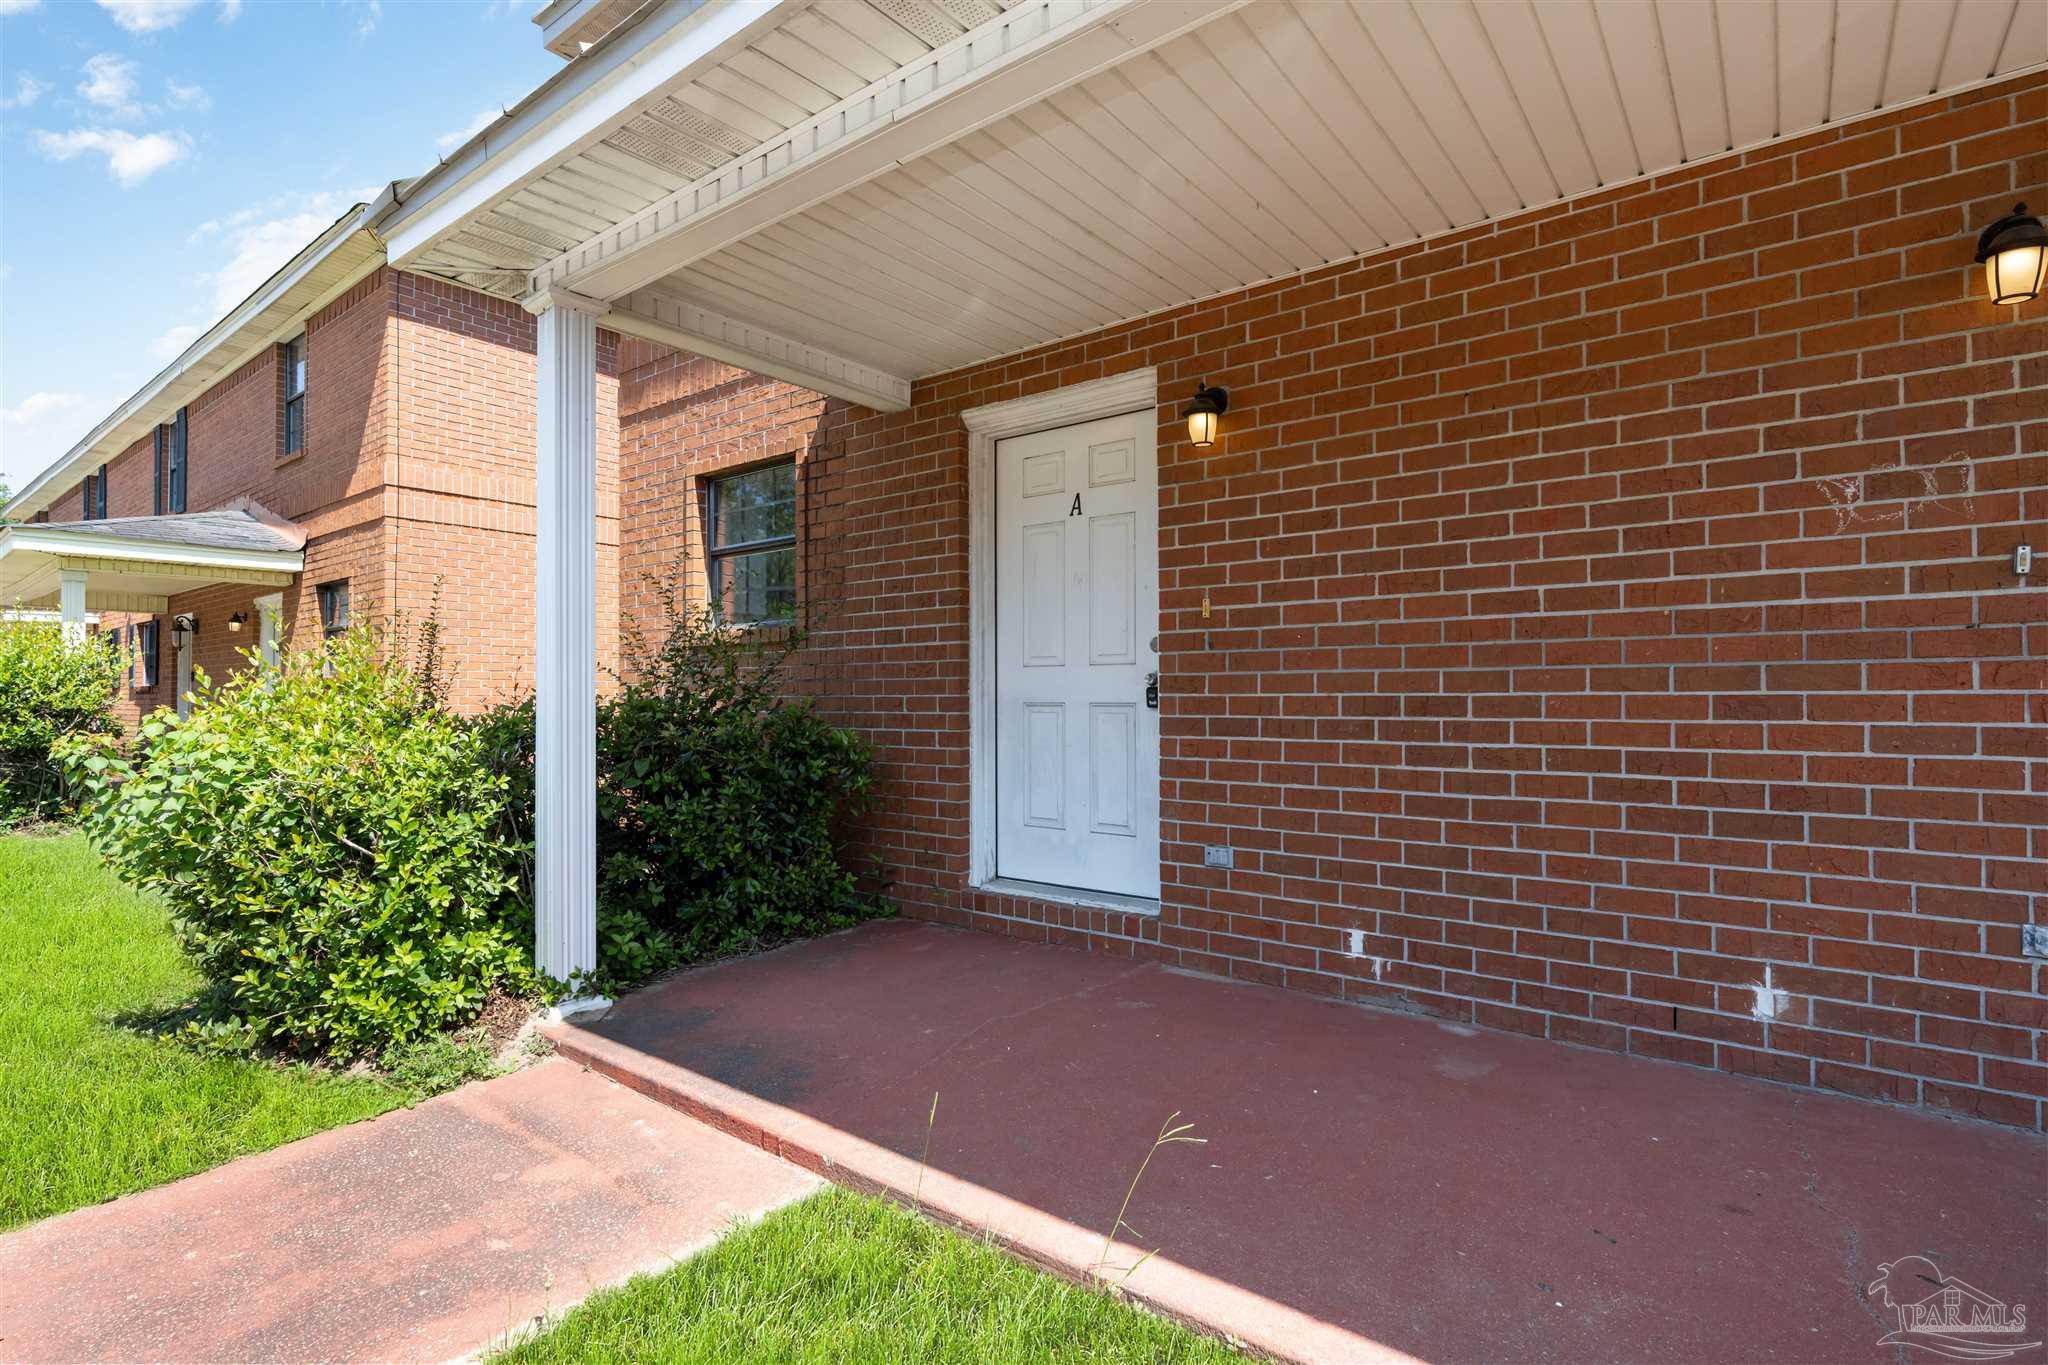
{"x": 425, "y": 1234}
{"x": 1374, "y": 1185}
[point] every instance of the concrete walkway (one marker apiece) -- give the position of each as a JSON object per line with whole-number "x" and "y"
{"x": 424, "y": 1234}
{"x": 1374, "y": 1187}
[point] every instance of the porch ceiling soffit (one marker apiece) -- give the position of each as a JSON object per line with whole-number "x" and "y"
{"x": 675, "y": 90}
{"x": 568, "y": 153}
{"x": 1007, "y": 193}
{"x": 1004, "y": 64}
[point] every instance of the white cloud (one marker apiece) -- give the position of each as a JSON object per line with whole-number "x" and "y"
{"x": 261, "y": 239}
{"x": 230, "y": 10}
{"x": 40, "y": 407}
{"x": 109, "y": 85}
{"x": 27, "y": 90}
{"x": 373, "y": 14}
{"x": 130, "y": 159}
{"x": 148, "y": 16}
{"x": 173, "y": 342}
{"x": 484, "y": 119}
{"x": 41, "y": 427}
{"x": 8, "y": 7}
{"x": 182, "y": 96}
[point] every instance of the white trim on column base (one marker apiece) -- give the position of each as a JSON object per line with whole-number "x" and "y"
{"x": 577, "y": 1007}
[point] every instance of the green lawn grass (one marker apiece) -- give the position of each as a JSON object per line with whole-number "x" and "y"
{"x": 842, "y": 1277}
{"x": 90, "y": 1109}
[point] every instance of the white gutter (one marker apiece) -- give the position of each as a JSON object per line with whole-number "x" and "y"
{"x": 87, "y": 545}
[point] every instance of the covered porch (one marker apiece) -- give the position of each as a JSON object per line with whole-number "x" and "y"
{"x": 137, "y": 565}
{"x": 865, "y": 197}
{"x": 1372, "y": 1186}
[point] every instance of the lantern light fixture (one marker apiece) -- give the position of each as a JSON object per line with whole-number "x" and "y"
{"x": 1205, "y": 415}
{"x": 237, "y": 621}
{"x": 2014, "y": 253}
{"x": 184, "y": 626}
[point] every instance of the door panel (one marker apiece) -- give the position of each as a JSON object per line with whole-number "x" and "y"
{"x": 1077, "y": 616}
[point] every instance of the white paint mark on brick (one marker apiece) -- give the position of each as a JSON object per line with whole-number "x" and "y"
{"x": 1770, "y": 1001}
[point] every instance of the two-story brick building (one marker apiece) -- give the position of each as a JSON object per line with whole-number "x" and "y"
{"x": 352, "y": 442}
{"x": 1588, "y": 596}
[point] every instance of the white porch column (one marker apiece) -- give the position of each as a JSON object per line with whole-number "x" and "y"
{"x": 71, "y": 604}
{"x": 269, "y": 625}
{"x": 565, "y": 639}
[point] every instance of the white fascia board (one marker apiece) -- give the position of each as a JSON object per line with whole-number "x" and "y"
{"x": 85, "y": 545}
{"x": 632, "y": 68}
{"x": 221, "y": 348}
{"x": 655, "y": 316}
{"x": 561, "y": 21}
{"x": 994, "y": 69}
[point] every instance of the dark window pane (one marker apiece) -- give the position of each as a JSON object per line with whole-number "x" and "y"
{"x": 294, "y": 363}
{"x": 175, "y": 464}
{"x": 147, "y": 650}
{"x": 757, "y": 505}
{"x": 760, "y": 586}
{"x": 333, "y": 609}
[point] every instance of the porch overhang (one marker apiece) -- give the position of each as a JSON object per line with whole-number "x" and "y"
{"x": 861, "y": 195}
{"x": 137, "y": 564}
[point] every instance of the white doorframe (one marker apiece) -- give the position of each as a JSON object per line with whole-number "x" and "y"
{"x": 986, "y": 426}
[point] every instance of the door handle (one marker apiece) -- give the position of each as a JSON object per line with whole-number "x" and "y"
{"x": 1152, "y": 690}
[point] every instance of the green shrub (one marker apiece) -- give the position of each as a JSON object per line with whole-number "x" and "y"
{"x": 719, "y": 800}
{"x": 330, "y": 843}
{"x": 48, "y": 690}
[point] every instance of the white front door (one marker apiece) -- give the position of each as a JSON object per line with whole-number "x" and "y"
{"x": 1077, "y": 616}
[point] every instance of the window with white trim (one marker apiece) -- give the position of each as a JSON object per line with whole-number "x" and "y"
{"x": 750, "y": 544}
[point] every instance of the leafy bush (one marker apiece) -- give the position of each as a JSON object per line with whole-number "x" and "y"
{"x": 48, "y": 690}
{"x": 719, "y": 800}
{"x": 330, "y": 843}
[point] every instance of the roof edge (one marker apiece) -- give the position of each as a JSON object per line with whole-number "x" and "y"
{"x": 43, "y": 488}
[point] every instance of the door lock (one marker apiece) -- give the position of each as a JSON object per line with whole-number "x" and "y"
{"x": 1152, "y": 690}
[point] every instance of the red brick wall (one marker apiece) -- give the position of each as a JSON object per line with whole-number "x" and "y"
{"x": 690, "y": 416}
{"x": 462, "y": 482}
{"x": 333, "y": 487}
{"x": 1610, "y": 605}
{"x": 416, "y": 476}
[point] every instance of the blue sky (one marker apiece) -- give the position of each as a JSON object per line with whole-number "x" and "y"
{"x": 159, "y": 158}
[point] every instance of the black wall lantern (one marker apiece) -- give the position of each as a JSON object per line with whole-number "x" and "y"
{"x": 237, "y": 621}
{"x": 2014, "y": 252}
{"x": 1205, "y": 415}
{"x": 184, "y": 627}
